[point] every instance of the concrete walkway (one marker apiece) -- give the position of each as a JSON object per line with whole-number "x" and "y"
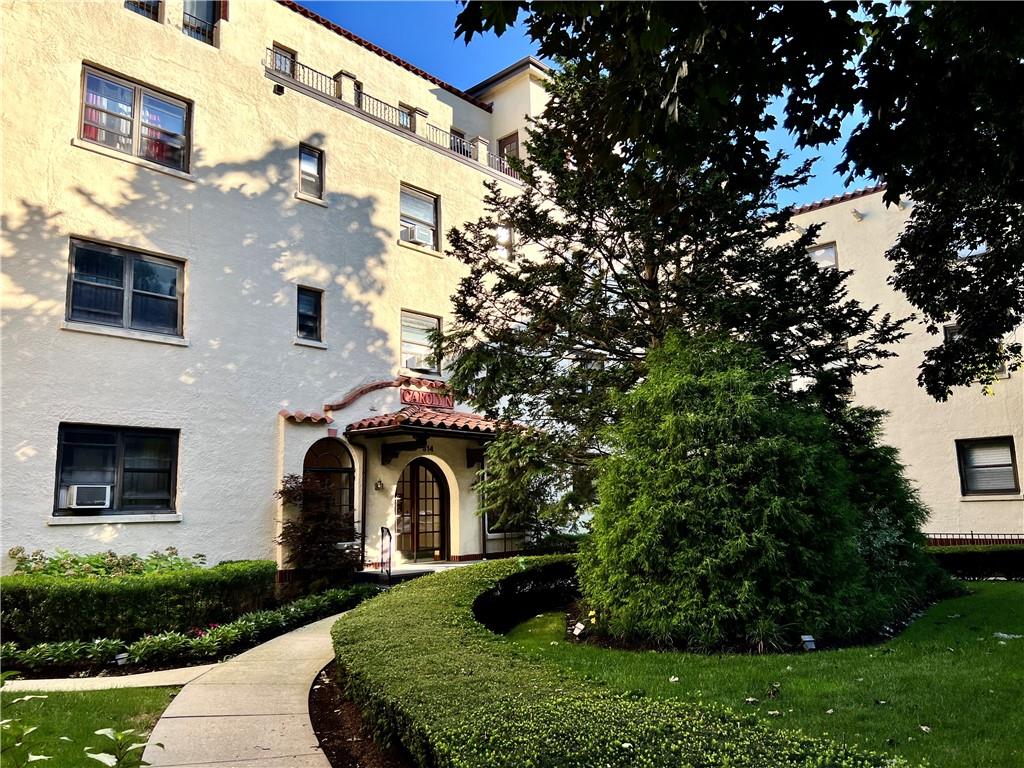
{"x": 251, "y": 711}
{"x": 172, "y": 677}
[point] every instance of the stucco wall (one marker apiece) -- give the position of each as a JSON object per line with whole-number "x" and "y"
{"x": 922, "y": 429}
{"x": 247, "y": 242}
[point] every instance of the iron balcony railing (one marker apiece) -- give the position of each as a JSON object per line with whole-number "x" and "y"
{"x": 197, "y": 28}
{"x": 380, "y": 110}
{"x": 148, "y": 8}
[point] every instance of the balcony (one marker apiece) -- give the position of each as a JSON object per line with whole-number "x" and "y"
{"x": 343, "y": 89}
{"x": 196, "y": 28}
{"x": 148, "y": 8}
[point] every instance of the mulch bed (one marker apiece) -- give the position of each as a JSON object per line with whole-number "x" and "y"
{"x": 343, "y": 736}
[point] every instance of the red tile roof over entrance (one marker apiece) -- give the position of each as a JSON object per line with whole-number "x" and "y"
{"x": 426, "y": 418}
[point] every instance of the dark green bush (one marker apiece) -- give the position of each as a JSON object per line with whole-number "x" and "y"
{"x": 199, "y": 646}
{"x": 38, "y": 608}
{"x": 1000, "y": 561}
{"x": 456, "y": 695}
{"x": 732, "y": 514}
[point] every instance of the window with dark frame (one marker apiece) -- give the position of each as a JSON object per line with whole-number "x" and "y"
{"x": 124, "y": 289}
{"x": 284, "y": 60}
{"x": 419, "y": 217}
{"x": 138, "y": 466}
{"x": 509, "y": 146}
{"x": 131, "y": 118}
{"x": 987, "y": 466}
{"x": 148, "y": 8}
{"x": 199, "y": 19}
{"x": 951, "y": 333}
{"x": 311, "y": 171}
{"x": 419, "y": 353}
{"x": 310, "y": 312}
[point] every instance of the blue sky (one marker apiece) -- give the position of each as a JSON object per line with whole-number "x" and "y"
{"x": 423, "y": 34}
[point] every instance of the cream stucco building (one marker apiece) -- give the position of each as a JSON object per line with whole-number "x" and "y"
{"x": 224, "y": 235}
{"x": 224, "y": 232}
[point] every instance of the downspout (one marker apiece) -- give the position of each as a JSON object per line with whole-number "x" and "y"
{"x": 362, "y": 507}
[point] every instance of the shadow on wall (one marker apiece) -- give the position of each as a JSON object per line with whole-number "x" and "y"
{"x": 248, "y": 243}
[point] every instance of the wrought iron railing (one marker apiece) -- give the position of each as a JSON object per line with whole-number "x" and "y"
{"x": 148, "y": 8}
{"x": 385, "y": 552}
{"x": 965, "y": 539}
{"x": 381, "y": 110}
{"x": 197, "y": 28}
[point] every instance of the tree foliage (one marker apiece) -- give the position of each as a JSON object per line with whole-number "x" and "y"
{"x": 931, "y": 84}
{"x": 314, "y": 528}
{"x": 733, "y": 516}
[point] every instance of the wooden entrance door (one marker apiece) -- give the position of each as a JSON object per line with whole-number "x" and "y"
{"x": 422, "y": 511}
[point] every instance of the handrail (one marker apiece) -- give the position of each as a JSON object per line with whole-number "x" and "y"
{"x": 385, "y": 563}
{"x": 197, "y": 28}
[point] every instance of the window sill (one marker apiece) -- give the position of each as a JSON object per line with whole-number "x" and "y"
{"x": 123, "y": 333}
{"x": 99, "y": 149}
{"x": 158, "y": 517}
{"x": 420, "y": 249}
{"x": 310, "y": 199}
{"x": 309, "y": 343}
{"x": 993, "y": 497}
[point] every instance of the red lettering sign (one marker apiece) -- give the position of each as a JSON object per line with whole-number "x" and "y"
{"x": 428, "y": 398}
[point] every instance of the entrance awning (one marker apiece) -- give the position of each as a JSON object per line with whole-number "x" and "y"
{"x": 422, "y": 419}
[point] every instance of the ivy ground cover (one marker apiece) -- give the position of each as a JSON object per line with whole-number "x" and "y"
{"x": 428, "y": 673}
{"x": 946, "y": 691}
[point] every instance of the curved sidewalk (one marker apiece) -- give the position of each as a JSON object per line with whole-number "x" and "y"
{"x": 251, "y": 711}
{"x": 163, "y": 677}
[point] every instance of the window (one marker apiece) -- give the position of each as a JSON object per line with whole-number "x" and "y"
{"x": 310, "y": 306}
{"x": 311, "y": 171}
{"x": 148, "y": 8}
{"x": 122, "y": 288}
{"x": 418, "y": 352}
{"x": 406, "y": 117}
{"x": 509, "y": 146}
{"x": 284, "y": 60}
{"x": 200, "y": 18}
{"x": 123, "y": 470}
{"x": 419, "y": 217}
{"x": 824, "y": 255}
{"x": 987, "y": 466}
{"x": 459, "y": 144}
{"x": 131, "y": 118}
{"x": 951, "y": 333}
{"x": 504, "y": 241}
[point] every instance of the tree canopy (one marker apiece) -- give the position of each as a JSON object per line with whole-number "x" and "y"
{"x": 686, "y": 87}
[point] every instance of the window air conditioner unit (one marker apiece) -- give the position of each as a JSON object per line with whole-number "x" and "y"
{"x": 419, "y": 363}
{"x": 414, "y": 233}
{"x": 89, "y": 496}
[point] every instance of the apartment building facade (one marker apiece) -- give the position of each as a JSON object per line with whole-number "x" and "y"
{"x": 224, "y": 236}
{"x": 962, "y": 454}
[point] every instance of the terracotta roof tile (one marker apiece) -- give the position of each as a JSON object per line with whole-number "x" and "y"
{"x": 853, "y": 195}
{"x": 298, "y": 417}
{"x": 424, "y": 417}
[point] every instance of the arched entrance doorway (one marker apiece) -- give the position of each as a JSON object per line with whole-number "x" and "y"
{"x": 422, "y": 512}
{"x": 329, "y": 482}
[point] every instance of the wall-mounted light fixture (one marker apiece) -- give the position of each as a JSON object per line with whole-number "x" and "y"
{"x": 857, "y": 214}
{"x": 379, "y": 485}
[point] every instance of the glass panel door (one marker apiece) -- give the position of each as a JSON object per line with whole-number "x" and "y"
{"x": 421, "y": 512}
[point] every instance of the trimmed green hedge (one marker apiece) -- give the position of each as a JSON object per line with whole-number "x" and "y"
{"x": 427, "y": 673}
{"x": 166, "y": 647}
{"x": 39, "y": 608}
{"x": 982, "y": 561}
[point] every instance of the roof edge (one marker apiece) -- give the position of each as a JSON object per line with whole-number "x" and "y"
{"x": 507, "y": 72}
{"x": 836, "y": 199}
{"x": 351, "y": 36}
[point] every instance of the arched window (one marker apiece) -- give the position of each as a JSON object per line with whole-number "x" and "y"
{"x": 329, "y": 474}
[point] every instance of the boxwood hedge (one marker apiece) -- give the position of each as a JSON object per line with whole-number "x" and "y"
{"x": 982, "y": 561}
{"x": 41, "y": 608}
{"x": 427, "y": 673}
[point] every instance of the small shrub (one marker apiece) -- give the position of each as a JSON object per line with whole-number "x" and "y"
{"x": 71, "y": 565}
{"x": 428, "y": 675}
{"x": 312, "y": 532}
{"x": 1001, "y": 561}
{"x": 41, "y": 608}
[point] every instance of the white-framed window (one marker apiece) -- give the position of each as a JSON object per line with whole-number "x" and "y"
{"x": 988, "y": 465}
{"x": 132, "y": 118}
{"x": 309, "y": 320}
{"x": 419, "y": 217}
{"x": 418, "y": 352}
{"x": 123, "y": 288}
{"x": 311, "y": 171}
{"x": 824, "y": 255}
{"x": 112, "y": 470}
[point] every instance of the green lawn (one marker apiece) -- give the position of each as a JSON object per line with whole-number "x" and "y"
{"x": 946, "y": 691}
{"x": 77, "y": 716}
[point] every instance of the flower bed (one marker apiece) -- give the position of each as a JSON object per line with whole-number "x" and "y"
{"x": 427, "y": 673}
{"x": 46, "y": 608}
{"x": 199, "y": 646}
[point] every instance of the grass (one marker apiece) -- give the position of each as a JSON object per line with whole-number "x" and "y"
{"x": 946, "y": 673}
{"x": 76, "y": 716}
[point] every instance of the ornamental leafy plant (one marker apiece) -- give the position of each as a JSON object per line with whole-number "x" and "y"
{"x": 73, "y": 565}
{"x": 314, "y": 527}
{"x": 730, "y": 515}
